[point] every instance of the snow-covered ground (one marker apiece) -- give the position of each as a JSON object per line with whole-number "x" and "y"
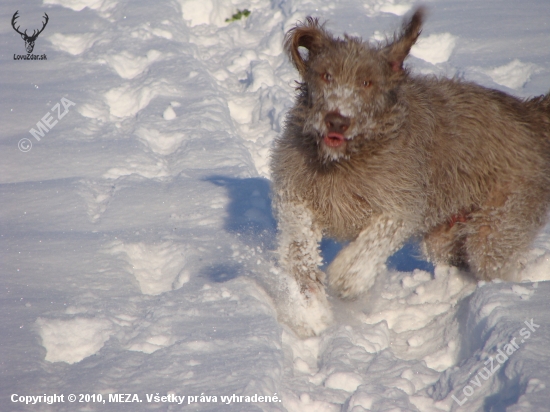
{"x": 136, "y": 235}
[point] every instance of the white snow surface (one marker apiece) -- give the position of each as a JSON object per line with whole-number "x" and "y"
{"x": 136, "y": 237}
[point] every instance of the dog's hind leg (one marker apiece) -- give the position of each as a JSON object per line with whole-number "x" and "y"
{"x": 354, "y": 269}
{"x": 445, "y": 243}
{"x": 501, "y": 231}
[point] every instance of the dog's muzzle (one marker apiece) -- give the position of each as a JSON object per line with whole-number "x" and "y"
{"x": 336, "y": 125}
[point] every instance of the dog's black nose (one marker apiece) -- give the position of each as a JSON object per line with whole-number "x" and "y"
{"x": 335, "y": 122}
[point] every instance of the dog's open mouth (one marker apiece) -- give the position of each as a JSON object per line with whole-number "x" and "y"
{"x": 333, "y": 139}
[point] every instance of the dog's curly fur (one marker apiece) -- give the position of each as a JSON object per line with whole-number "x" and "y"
{"x": 374, "y": 155}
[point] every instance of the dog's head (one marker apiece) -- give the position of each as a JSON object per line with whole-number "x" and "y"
{"x": 348, "y": 85}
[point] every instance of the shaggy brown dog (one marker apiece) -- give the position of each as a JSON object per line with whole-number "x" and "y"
{"x": 374, "y": 155}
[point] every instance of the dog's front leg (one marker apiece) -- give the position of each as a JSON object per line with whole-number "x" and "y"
{"x": 299, "y": 239}
{"x": 354, "y": 269}
{"x": 307, "y": 309}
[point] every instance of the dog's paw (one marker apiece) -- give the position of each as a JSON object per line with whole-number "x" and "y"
{"x": 306, "y": 310}
{"x": 312, "y": 312}
{"x": 348, "y": 277}
{"x": 344, "y": 286}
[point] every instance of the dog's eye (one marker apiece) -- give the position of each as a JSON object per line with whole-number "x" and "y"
{"x": 327, "y": 77}
{"x": 367, "y": 84}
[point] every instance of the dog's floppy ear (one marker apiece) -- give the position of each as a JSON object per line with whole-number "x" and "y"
{"x": 309, "y": 35}
{"x": 399, "y": 49}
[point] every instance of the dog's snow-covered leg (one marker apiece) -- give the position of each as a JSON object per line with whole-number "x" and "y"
{"x": 299, "y": 257}
{"x": 299, "y": 247}
{"x": 354, "y": 269}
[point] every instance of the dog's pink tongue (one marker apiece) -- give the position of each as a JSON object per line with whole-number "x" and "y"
{"x": 334, "y": 139}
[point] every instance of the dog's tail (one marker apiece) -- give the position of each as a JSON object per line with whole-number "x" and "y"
{"x": 542, "y": 104}
{"x": 546, "y": 103}
{"x": 545, "y": 107}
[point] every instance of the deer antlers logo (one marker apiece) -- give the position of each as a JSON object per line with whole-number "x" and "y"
{"x": 29, "y": 40}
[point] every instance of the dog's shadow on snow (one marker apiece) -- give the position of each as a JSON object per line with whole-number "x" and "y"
{"x": 248, "y": 213}
{"x": 408, "y": 258}
{"x": 249, "y": 216}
